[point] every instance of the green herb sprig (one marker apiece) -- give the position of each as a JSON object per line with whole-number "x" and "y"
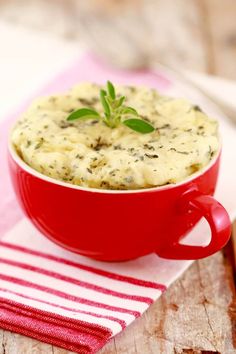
{"x": 115, "y": 112}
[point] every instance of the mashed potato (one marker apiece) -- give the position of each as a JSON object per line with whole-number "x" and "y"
{"x": 90, "y": 154}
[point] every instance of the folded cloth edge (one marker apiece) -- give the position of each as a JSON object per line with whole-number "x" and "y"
{"x": 75, "y": 335}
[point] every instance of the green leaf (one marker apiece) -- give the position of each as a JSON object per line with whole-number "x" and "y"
{"x": 111, "y": 90}
{"x": 128, "y": 110}
{"x": 114, "y": 113}
{"x": 120, "y": 101}
{"x": 104, "y": 102}
{"x": 139, "y": 125}
{"x": 83, "y": 113}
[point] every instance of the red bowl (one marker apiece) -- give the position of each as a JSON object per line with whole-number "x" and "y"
{"x": 120, "y": 225}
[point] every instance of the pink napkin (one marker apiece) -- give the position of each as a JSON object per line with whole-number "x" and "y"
{"x": 57, "y": 296}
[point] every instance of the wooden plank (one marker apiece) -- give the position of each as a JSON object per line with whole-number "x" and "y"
{"x": 220, "y": 20}
{"x": 142, "y": 30}
{"x": 49, "y": 16}
{"x": 12, "y": 343}
{"x": 198, "y": 34}
{"x": 192, "y": 315}
{"x": 145, "y": 32}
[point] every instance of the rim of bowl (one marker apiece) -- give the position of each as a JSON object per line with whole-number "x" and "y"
{"x": 19, "y": 161}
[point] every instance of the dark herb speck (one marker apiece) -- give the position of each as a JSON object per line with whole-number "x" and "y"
{"x": 85, "y": 101}
{"x": 129, "y": 179}
{"x": 39, "y": 144}
{"x": 151, "y": 156}
{"x": 94, "y": 122}
{"x": 179, "y": 152}
{"x": 149, "y": 147}
{"x": 165, "y": 126}
{"x": 196, "y": 108}
{"x": 70, "y": 110}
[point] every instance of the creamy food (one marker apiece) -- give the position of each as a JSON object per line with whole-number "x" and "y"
{"x": 90, "y": 154}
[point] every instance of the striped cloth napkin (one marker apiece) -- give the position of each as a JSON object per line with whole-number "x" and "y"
{"x": 68, "y": 300}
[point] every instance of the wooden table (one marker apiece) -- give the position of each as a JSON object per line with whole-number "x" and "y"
{"x": 198, "y": 313}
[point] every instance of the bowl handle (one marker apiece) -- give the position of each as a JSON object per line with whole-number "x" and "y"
{"x": 218, "y": 220}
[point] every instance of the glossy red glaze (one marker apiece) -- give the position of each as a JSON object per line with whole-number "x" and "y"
{"x": 121, "y": 225}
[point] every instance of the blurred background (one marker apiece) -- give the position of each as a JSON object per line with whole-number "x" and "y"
{"x": 191, "y": 34}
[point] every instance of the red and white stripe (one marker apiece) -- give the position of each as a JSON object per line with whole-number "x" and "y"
{"x": 57, "y": 284}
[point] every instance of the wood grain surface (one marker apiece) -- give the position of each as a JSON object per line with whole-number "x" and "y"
{"x": 198, "y": 313}
{"x": 195, "y": 34}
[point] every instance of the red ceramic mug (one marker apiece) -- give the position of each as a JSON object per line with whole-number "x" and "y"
{"x": 120, "y": 225}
